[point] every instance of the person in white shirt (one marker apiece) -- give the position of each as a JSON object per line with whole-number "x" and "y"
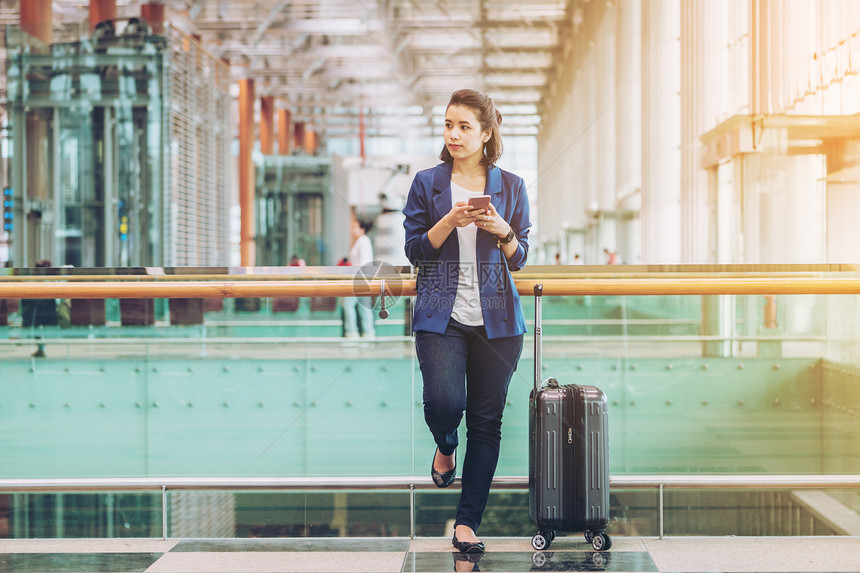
{"x": 354, "y": 308}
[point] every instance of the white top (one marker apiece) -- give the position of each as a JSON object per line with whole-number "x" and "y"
{"x": 361, "y": 252}
{"x": 467, "y": 304}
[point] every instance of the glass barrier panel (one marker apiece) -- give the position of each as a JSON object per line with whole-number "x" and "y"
{"x": 289, "y": 514}
{"x": 758, "y": 512}
{"x": 725, "y": 384}
{"x": 297, "y": 398}
{"x": 80, "y": 515}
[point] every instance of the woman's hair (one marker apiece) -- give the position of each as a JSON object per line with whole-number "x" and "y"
{"x": 489, "y": 118}
{"x": 365, "y": 224}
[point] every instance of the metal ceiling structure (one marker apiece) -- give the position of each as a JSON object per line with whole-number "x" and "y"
{"x": 397, "y": 60}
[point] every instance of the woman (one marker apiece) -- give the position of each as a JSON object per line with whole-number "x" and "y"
{"x": 360, "y": 254}
{"x": 467, "y": 319}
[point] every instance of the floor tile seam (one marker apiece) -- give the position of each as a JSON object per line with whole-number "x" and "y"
{"x": 108, "y": 540}
{"x": 269, "y": 561}
{"x": 85, "y": 546}
{"x": 255, "y": 539}
{"x": 405, "y": 557}
{"x": 326, "y": 551}
{"x": 282, "y": 545}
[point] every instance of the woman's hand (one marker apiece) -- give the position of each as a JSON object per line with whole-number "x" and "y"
{"x": 493, "y": 223}
{"x": 462, "y": 214}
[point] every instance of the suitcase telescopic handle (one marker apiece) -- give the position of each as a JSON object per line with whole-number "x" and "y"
{"x": 383, "y": 313}
{"x": 538, "y": 344}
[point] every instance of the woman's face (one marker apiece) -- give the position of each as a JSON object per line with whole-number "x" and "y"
{"x": 464, "y": 137}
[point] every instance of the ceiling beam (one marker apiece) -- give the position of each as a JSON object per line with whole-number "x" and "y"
{"x": 196, "y": 8}
{"x": 270, "y": 19}
{"x": 315, "y": 26}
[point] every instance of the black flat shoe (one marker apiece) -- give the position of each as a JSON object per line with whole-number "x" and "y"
{"x": 467, "y": 547}
{"x": 445, "y": 479}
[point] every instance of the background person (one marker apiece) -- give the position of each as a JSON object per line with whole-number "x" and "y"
{"x": 355, "y": 310}
{"x": 468, "y": 320}
{"x": 36, "y": 313}
{"x": 612, "y": 257}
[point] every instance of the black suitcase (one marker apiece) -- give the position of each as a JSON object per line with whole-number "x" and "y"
{"x": 568, "y": 456}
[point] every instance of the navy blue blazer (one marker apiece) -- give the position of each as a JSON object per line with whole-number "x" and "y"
{"x": 437, "y": 269}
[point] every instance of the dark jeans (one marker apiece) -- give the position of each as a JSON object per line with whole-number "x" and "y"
{"x": 462, "y": 370}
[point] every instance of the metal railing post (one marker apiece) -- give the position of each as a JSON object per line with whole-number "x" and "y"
{"x": 412, "y": 511}
{"x": 660, "y": 519}
{"x": 164, "y": 512}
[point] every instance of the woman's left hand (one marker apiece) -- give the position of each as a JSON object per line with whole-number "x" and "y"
{"x": 493, "y": 223}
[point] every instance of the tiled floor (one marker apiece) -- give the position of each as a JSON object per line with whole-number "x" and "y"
{"x": 690, "y": 555}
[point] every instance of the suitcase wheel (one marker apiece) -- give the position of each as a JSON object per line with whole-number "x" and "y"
{"x": 542, "y": 540}
{"x": 600, "y": 541}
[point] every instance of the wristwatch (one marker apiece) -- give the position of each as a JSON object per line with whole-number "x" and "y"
{"x": 507, "y": 238}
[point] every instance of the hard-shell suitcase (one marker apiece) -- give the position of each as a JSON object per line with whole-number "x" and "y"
{"x": 568, "y": 456}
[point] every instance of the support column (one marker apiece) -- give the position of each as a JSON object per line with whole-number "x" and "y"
{"x": 601, "y": 72}
{"x": 284, "y": 143}
{"x": 267, "y": 127}
{"x": 101, "y": 10}
{"x": 32, "y": 183}
{"x": 627, "y": 153}
{"x": 661, "y": 133}
{"x": 36, "y": 19}
{"x": 247, "y": 248}
{"x": 311, "y": 141}
{"x": 628, "y": 103}
{"x": 770, "y": 311}
{"x": 759, "y": 41}
{"x": 704, "y": 75}
{"x": 153, "y": 13}
{"x": 299, "y": 134}
{"x": 361, "y": 134}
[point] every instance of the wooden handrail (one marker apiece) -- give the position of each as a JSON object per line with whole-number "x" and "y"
{"x": 202, "y": 289}
{"x": 406, "y": 287}
{"x": 537, "y": 272}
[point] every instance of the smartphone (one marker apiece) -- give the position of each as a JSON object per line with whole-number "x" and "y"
{"x": 480, "y": 202}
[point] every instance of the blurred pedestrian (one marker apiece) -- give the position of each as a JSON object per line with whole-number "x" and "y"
{"x": 38, "y": 313}
{"x": 612, "y": 257}
{"x": 358, "y": 313}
